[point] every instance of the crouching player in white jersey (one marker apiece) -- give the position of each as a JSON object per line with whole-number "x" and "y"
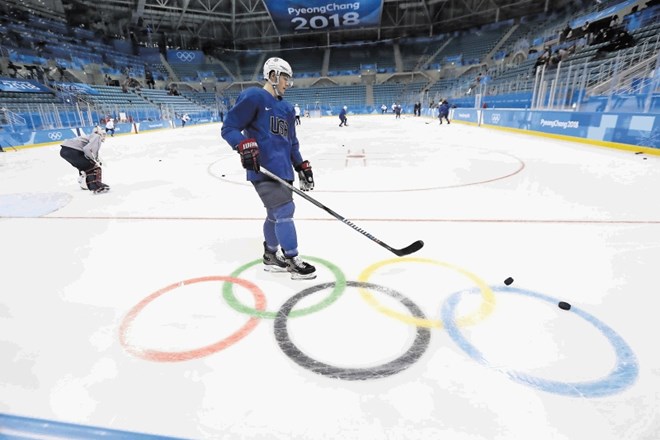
{"x": 83, "y": 153}
{"x": 261, "y": 127}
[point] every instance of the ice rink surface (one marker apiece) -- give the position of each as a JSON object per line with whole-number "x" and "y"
{"x": 146, "y": 309}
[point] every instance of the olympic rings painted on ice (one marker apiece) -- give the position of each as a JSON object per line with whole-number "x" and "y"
{"x": 623, "y": 374}
{"x": 175, "y": 356}
{"x": 340, "y": 286}
{"x": 480, "y": 314}
{"x": 416, "y": 350}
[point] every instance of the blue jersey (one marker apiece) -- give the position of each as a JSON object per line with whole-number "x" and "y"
{"x": 342, "y": 114}
{"x": 271, "y": 122}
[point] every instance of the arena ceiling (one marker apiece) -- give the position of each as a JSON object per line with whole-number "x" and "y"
{"x": 244, "y": 23}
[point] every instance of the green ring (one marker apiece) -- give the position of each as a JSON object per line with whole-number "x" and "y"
{"x": 234, "y": 303}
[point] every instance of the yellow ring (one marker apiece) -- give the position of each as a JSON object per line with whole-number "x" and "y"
{"x": 480, "y": 314}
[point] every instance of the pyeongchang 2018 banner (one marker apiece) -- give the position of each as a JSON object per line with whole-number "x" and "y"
{"x": 291, "y": 16}
{"x": 22, "y": 86}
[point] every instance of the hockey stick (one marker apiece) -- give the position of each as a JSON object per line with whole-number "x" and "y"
{"x": 414, "y": 247}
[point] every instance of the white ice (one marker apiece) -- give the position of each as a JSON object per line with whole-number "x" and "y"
{"x": 571, "y": 221}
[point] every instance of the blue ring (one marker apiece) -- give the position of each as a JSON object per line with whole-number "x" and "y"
{"x": 623, "y": 374}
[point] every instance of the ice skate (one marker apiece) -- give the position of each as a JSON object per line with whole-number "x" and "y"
{"x": 274, "y": 261}
{"x": 299, "y": 269}
{"x": 82, "y": 180}
{"x": 103, "y": 188}
{"x": 94, "y": 182}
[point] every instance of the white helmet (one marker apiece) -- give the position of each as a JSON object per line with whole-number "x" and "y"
{"x": 345, "y": 108}
{"x": 278, "y": 65}
{"x": 98, "y": 130}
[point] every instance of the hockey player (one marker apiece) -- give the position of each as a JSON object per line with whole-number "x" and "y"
{"x": 110, "y": 126}
{"x": 185, "y": 118}
{"x": 397, "y": 111}
{"x": 261, "y": 128}
{"x": 342, "y": 117}
{"x": 444, "y": 111}
{"x": 296, "y": 109}
{"x": 83, "y": 154}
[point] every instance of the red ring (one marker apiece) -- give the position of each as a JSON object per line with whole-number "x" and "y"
{"x": 176, "y": 356}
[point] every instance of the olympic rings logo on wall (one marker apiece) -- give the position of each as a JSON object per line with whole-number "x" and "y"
{"x": 185, "y": 57}
{"x": 56, "y": 135}
{"x": 623, "y": 374}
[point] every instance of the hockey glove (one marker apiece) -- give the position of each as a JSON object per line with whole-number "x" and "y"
{"x": 305, "y": 176}
{"x": 249, "y": 151}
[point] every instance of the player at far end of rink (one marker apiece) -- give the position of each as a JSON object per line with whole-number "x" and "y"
{"x": 82, "y": 153}
{"x": 261, "y": 128}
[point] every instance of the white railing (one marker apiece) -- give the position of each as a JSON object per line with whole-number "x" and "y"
{"x": 11, "y": 119}
{"x": 567, "y": 85}
{"x": 633, "y": 63}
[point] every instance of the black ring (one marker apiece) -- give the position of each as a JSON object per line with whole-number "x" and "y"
{"x": 416, "y": 350}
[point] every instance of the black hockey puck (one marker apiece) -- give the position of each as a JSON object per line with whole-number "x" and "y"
{"x": 508, "y": 281}
{"x": 564, "y": 305}
{"x": 223, "y": 175}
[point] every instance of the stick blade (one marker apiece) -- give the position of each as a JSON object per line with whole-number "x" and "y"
{"x": 409, "y": 249}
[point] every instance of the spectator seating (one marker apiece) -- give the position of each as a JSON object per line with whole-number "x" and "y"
{"x": 306, "y": 63}
{"x": 415, "y": 52}
{"x": 388, "y": 93}
{"x": 178, "y": 103}
{"x": 204, "y": 99}
{"x": 327, "y": 96}
{"x": 472, "y": 46}
{"x": 16, "y": 101}
{"x": 350, "y": 59}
